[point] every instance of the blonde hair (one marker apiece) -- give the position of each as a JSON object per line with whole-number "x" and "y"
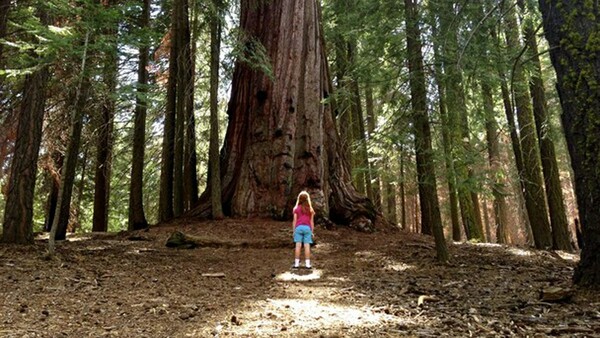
{"x": 304, "y": 201}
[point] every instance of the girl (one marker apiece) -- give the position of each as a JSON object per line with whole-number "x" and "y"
{"x": 303, "y": 228}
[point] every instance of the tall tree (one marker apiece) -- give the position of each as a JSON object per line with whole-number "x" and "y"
{"x": 77, "y": 108}
{"x": 165, "y": 203}
{"x": 458, "y": 121}
{"x": 446, "y": 138}
{"x": 178, "y": 114}
{"x": 498, "y": 176}
{"x": 18, "y": 212}
{"x": 182, "y": 42}
{"x": 373, "y": 175}
{"x": 4, "y": 9}
{"x": 105, "y": 124}
{"x": 571, "y": 28}
{"x": 561, "y": 238}
{"x": 531, "y": 175}
{"x": 430, "y": 211}
{"x": 137, "y": 217}
{"x": 215, "y": 170}
{"x": 281, "y": 138}
{"x": 190, "y": 158}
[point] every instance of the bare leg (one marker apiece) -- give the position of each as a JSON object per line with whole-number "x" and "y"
{"x": 306, "y": 251}
{"x": 297, "y": 250}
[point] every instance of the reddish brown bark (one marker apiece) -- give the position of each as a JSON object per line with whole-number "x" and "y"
{"x": 281, "y": 137}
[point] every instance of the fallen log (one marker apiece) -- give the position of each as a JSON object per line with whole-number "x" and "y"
{"x": 179, "y": 239}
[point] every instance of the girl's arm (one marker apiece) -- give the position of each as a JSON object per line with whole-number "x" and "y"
{"x": 312, "y": 222}
{"x": 294, "y": 222}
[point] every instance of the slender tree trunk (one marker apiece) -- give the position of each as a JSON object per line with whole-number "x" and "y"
{"x": 182, "y": 41}
{"x": 535, "y": 200}
{"x": 363, "y": 181}
{"x": 168, "y": 147}
{"x": 373, "y": 173}
{"x": 214, "y": 178}
{"x": 561, "y": 238}
{"x": 486, "y": 221}
{"x": 518, "y": 155}
{"x": 458, "y": 123}
{"x": 190, "y": 176}
{"x": 447, "y": 145}
{"x": 391, "y": 203}
{"x": 57, "y": 160}
{"x": 67, "y": 176}
{"x": 18, "y": 211}
{"x": 402, "y": 193}
{"x": 571, "y": 28}
{"x": 498, "y": 175}
{"x": 4, "y": 9}
{"x": 137, "y": 216}
{"x": 430, "y": 211}
{"x": 281, "y": 138}
{"x": 105, "y": 131}
{"x": 80, "y": 189}
{"x": 7, "y": 126}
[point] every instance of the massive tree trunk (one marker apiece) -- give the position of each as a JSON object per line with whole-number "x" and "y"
{"x": 531, "y": 175}
{"x": 571, "y": 28}
{"x": 561, "y": 238}
{"x": 430, "y": 210}
{"x": 281, "y": 137}
{"x": 137, "y": 217}
{"x": 105, "y": 128}
{"x": 18, "y": 212}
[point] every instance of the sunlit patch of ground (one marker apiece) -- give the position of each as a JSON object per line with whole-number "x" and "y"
{"x": 568, "y": 256}
{"x": 367, "y": 255}
{"x": 295, "y": 276}
{"x": 519, "y": 252}
{"x": 310, "y": 317}
{"x": 397, "y": 266}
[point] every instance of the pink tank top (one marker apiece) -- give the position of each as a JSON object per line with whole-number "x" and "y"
{"x": 301, "y": 218}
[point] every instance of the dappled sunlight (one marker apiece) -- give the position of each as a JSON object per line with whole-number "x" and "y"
{"x": 398, "y": 266}
{"x": 568, "y": 256}
{"x": 310, "y": 316}
{"x": 288, "y": 276}
{"x": 367, "y": 255}
{"x": 488, "y": 245}
{"x": 519, "y": 252}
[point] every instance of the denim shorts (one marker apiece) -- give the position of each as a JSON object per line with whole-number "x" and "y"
{"x": 303, "y": 234}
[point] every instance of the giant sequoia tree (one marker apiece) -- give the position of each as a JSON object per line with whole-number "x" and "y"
{"x": 571, "y": 28}
{"x": 281, "y": 137}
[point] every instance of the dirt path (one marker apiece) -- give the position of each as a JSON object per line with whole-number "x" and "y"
{"x": 377, "y": 285}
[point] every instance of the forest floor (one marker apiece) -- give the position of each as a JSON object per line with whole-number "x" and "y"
{"x": 386, "y": 284}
